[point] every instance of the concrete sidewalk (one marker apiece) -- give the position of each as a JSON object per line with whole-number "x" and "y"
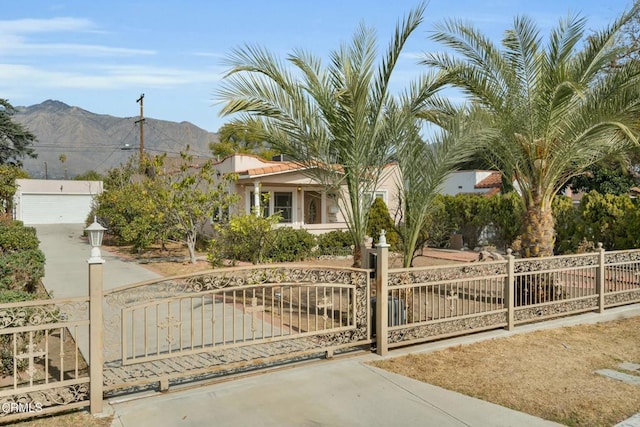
{"x": 332, "y": 393}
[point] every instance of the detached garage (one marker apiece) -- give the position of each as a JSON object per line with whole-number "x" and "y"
{"x": 40, "y": 201}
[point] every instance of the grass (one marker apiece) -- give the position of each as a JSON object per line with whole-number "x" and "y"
{"x": 549, "y": 374}
{"x": 70, "y": 419}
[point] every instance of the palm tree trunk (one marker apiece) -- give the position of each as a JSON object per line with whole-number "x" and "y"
{"x": 538, "y": 234}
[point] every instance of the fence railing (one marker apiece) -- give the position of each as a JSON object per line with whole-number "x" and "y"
{"x": 430, "y": 303}
{"x": 43, "y": 368}
{"x": 64, "y": 353}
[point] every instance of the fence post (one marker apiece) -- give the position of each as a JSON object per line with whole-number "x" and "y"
{"x": 382, "y": 295}
{"x": 600, "y": 278}
{"x": 509, "y": 290}
{"x": 96, "y": 356}
{"x": 364, "y": 254}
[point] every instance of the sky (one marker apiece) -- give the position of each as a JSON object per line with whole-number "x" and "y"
{"x": 102, "y": 55}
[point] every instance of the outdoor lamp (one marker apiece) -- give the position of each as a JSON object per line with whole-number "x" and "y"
{"x": 96, "y": 232}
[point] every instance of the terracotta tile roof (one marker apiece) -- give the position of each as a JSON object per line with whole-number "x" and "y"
{"x": 492, "y": 181}
{"x": 277, "y": 167}
{"x": 491, "y": 192}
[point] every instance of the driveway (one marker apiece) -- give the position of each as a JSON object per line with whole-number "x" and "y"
{"x": 66, "y": 270}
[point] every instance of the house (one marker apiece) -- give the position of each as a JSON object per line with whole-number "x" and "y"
{"x": 288, "y": 187}
{"x": 482, "y": 182}
{"x": 54, "y": 201}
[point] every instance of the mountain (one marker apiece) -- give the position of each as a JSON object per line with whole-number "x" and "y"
{"x": 100, "y": 142}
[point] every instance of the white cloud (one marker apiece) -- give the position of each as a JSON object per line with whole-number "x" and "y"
{"x": 28, "y": 26}
{"x": 103, "y": 77}
{"x": 14, "y": 39}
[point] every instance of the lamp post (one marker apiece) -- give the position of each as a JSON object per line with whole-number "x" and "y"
{"x": 95, "y": 232}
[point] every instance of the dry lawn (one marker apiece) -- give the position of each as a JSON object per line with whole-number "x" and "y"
{"x": 549, "y": 374}
{"x": 71, "y": 419}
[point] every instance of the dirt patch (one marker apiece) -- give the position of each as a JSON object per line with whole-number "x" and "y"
{"x": 549, "y": 374}
{"x": 173, "y": 259}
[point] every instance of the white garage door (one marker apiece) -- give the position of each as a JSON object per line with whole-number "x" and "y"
{"x": 55, "y": 208}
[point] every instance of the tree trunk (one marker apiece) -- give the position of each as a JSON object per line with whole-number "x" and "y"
{"x": 191, "y": 245}
{"x": 357, "y": 256}
{"x": 538, "y": 234}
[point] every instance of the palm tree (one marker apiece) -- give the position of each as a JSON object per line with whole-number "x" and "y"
{"x": 552, "y": 108}
{"x": 332, "y": 119}
{"x": 424, "y": 167}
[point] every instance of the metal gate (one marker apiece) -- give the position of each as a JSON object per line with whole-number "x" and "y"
{"x": 226, "y": 321}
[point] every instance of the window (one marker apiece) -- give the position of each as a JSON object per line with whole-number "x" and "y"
{"x": 276, "y": 202}
{"x": 283, "y": 204}
{"x": 264, "y": 203}
{"x": 370, "y": 197}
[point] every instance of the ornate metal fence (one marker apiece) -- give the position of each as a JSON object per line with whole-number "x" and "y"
{"x": 424, "y": 304}
{"x": 228, "y": 320}
{"x": 43, "y": 368}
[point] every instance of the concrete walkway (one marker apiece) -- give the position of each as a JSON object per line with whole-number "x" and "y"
{"x": 343, "y": 392}
{"x": 66, "y": 271}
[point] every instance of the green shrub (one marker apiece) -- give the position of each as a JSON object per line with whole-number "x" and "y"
{"x": 506, "y": 215}
{"x": 335, "y": 242}
{"x": 286, "y": 244}
{"x": 6, "y": 341}
{"x": 379, "y": 219}
{"x": 21, "y": 271}
{"x": 7, "y": 296}
{"x": 436, "y": 230}
{"x": 566, "y": 220}
{"x": 15, "y": 237}
{"x": 243, "y": 238}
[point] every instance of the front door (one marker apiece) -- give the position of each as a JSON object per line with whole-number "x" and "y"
{"x": 312, "y": 207}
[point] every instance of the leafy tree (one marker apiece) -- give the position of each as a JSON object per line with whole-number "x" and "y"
{"x": 605, "y": 178}
{"x": 242, "y": 137}
{"x": 15, "y": 139}
{"x": 332, "y": 119}
{"x": 63, "y": 160}
{"x": 89, "y": 175}
{"x": 128, "y": 209}
{"x": 8, "y": 186}
{"x": 189, "y": 196}
{"x": 552, "y": 110}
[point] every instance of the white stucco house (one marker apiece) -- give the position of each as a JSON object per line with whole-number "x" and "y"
{"x": 305, "y": 203}
{"x": 41, "y": 201}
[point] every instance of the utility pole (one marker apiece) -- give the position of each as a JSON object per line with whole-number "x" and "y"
{"x": 141, "y": 121}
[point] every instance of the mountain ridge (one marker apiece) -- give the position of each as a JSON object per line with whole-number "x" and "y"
{"x": 91, "y": 141}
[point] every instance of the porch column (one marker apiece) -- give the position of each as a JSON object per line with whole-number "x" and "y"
{"x": 256, "y": 199}
{"x": 324, "y": 206}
